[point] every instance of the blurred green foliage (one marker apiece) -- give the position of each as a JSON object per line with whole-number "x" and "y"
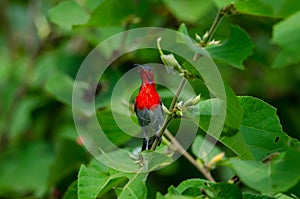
{"x": 43, "y": 44}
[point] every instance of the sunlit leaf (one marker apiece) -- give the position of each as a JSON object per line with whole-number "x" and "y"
{"x": 68, "y": 13}
{"x": 195, "y": 9}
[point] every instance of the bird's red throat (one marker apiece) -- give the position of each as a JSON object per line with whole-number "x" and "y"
{"x": 147, "y": 98}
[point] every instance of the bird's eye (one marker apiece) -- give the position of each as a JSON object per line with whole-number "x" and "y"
{"x": 148, "y": 69}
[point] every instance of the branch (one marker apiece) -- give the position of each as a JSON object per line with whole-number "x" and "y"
{"x": 190, "y": 158}
{"x": 227, "y": 10}
{"x": 213, "y": 27}
{"x": 169, "y": 117}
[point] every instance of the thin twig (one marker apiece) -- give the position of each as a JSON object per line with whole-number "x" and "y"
{"x": 190, "y": 158}
{"x": 175, "y": 98}
{"x": 169, "y": 117}
{"x": 214, "y": 26}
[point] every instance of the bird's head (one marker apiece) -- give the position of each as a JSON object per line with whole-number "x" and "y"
{"x": 146, "y": 74}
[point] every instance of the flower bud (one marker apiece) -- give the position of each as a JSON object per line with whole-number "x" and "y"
{"x": 188, "y": 102}
{"x": 178, "y": 114}
{"x": 217, "y": 158}
{"x": 196, "y": 100}
{"x": 169, "y": 60}
{"x": 198, "y": 37}
{"x": 205, "y": 36}
{"x": 192, "y": 101}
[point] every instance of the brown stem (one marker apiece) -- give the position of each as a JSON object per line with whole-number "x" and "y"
{"x": 214, "y": 26}
{"x": 190, "y": 158}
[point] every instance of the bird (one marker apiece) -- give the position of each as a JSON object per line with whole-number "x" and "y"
{"x": 148, "y": 108}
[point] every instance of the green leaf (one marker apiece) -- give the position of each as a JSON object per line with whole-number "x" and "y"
{"x": 122, "y": 160}
{"x": 68, "y": 13}
{"x": 195, "y": 9}
{"x": 61, "y": 86}
{"x": 279, "y": 175}
{"x": 265, "y": 8}
{"x": 71, "y": 192}
{"x": 199, "y": 187}
{"x": 69, "y": 157}
{"x": 230, "y": 134}
{"x": 254, "y": 7}
{"x": 91, "y": 180}
{"x": 234, "y": 113}
{"x": 182, "y": 29}
{"x": 135, "y": 187}
{"x": 112, "y": 13}
{"x": 261, "y": 127}
{"x": 200, "y": 152}
{"x": 111, "y": 128}
{"x": 283, "y": 196}
{"x": 285, "y": 8}
{"x": 285, "y": 34}
{"x": 92, "y": 4}
{"x": 224, "y": 190}
{"x": 191, "y": 187}
{"x": 222, "y": 3}
{"x": 256, "y": 196}
{"x": 96, "y": 179}
{"x": 234, "y": 50}
{"x": 154, "y": 160}
{"x": 22, "y": 117}
{"x": 30, "y": 161}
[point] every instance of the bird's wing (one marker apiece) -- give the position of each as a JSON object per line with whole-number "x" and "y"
{"x": 157, "y": 118}
{"x": 143, "y": 117}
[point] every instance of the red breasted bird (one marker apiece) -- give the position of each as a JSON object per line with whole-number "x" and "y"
{"x": 148, "y": 108}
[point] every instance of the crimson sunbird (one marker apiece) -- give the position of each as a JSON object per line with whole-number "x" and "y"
{"x": 148, "y": 108}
